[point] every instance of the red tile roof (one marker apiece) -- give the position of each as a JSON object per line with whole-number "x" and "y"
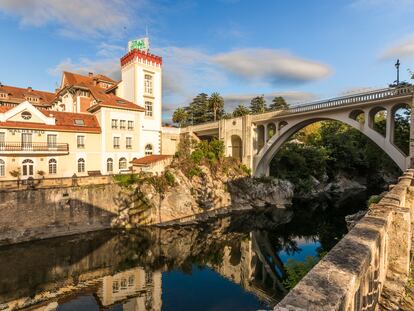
{"x": 104, "y": 99}
{"x": 17, "y": 95}
{"x": 65, "y": 122}
{"x": 150, "y": 159}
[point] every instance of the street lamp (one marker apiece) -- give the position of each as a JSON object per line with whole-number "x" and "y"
{"x": 397, "y": 65}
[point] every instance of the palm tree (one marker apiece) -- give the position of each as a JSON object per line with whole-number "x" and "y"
{"x": 215, "y": 103}
{"x": 240, "y": 111}
{"x": 180, "y": 116}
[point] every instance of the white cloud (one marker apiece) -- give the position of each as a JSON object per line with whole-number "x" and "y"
{"x": 401, "y": 49}
{"x": 109, "y": 67}
{"x": 76, "y": 17}
{"x": 272, "y": 66}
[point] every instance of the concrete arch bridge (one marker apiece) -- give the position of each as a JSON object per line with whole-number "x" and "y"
{"x": 255, "y": 139}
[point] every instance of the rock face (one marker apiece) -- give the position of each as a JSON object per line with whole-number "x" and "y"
{"x": 206, "y": 192}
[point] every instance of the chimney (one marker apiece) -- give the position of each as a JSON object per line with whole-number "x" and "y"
{"x": 29, "y": 89}
{"x": 90, "y": 74}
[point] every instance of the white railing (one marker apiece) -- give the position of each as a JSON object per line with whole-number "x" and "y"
{"x": 351, "y": 99}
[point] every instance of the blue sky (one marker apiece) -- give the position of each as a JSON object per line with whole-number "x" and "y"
{"x": 302, "y": 50}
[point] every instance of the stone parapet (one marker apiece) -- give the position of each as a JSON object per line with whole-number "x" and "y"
{"x": 368, "y": 267}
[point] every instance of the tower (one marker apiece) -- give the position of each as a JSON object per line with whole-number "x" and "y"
{"x": 142, "y": 84}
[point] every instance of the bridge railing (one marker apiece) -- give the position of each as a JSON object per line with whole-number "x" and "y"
{"x": 351, "y": 99}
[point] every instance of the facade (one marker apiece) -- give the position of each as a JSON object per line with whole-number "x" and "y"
{"x": 91, "y": 125}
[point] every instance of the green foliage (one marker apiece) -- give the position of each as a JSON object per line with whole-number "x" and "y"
{"x": 194, "y": 171}
{"x": 169, "y": 178}
{"x": 373, "y": 199}
{"x": 402, "y": 129}
{"x": 240, "y": 111}
{"x": 126, "y": 180}
{"x": 258, "y": 104}
{"x": 180, "y": 116}
{"x": 296, "y": 270}
{"x": 325, "y": 149}
{"x": 245, "y": 169}
{"x": 197, "y": 156}
{"x": 278, "y": 103}
{"x": 15, "y": 173}
{"x": 216, "y": 105}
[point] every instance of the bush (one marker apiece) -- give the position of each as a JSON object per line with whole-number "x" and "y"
{"x": 125, "y": 180}
{"x": 296, "y": 270}
{"x": 195, "y": 171}
{"x": 197, "y": 156}
{"x": 169, "y": 177}
{"x": 245, "y": 169}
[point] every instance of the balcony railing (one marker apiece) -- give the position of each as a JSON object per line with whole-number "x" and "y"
{"x": 6, "y": 147}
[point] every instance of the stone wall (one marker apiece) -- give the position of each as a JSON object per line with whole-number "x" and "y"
{"x": 369, "y": 266}
{"x": 44, "y": 213}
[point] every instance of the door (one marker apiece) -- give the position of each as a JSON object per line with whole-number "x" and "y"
{"x": 28, "y": 168}
{"x": 26, "y": 141}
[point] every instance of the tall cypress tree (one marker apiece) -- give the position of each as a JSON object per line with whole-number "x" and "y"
{"x": 258, "y": 104}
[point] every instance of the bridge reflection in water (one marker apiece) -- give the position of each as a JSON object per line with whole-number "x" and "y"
{"x": 125, "y": 271}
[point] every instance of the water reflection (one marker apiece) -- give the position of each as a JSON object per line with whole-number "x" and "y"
{"x": 147, "y": 269}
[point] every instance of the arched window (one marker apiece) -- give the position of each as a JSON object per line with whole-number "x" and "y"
{"x": 122, "y": 163}
{"x": 81, "y": 165}
{"x": 28, "y": 167}
{"x": 148, "y": 149}
{"x": 109, "y": 165}
{"x": 52, "y": 166}
{"x": 2, "y": 168}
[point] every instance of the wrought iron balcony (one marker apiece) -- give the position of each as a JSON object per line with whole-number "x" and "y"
{"x": 33, "y": 148}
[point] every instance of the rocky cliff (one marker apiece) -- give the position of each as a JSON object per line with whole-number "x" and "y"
{"x": 153, "y": 200}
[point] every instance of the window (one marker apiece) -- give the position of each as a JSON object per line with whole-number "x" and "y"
{"x": 81, "y": 141}
{"x": 26, "y": 115}
{"x": 27, "y": 141}
{"x": 122, "y": 124}
{"x": 51, "y": 140}
{"x": 116, "y": 142}
{"x": 28, "y": 167}
{"x": 81, "y": 165}
{"x": 32, "y": 99}
{"x": 2, "y": 168}
{"x": 115, "y": 287}
{"x": 2, "y": 140}
{"x": 79, "y": 122}
{"x": 84, "y": 93}
{"x": 148, "y": 149}
{"x": 3, "y": 95}
{"x": 131, "y": 280}
{"x": 122, "y": 163}
{"x": 148, "y": 109}
{"x": 148, "y": 84}
{"x": 114, "y": 123}
{"x": 52, "y": 166}
{"x": 130, "y": 125}
{"x": 123, "y": 283}
{"x": 110, "y": 165}
{"x": 129, "y": 142}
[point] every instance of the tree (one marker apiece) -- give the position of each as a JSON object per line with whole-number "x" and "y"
{"x": 216, "y": 105}
{"x": 240, "y": 111}
{"x": 198, "y": 110}
{"x": 258, "y": 104}
{"x": 180, "y": 116}
{"x": 16, "y": 174}
{"x": 278, "y": 103}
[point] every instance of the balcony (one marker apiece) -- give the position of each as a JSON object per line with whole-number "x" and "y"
{"x": 32, "y": 148}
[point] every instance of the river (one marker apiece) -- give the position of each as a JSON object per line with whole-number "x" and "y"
{"x": 237, "y": 262}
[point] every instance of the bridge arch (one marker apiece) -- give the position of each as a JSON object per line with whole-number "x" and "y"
{"x": 262, "y": 159}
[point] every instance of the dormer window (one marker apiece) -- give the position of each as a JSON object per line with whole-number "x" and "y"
{"x": 3, "y": 95}
{"x": 84, "y": 93}
{"x": 32, "y": 99}
{"x": 79, "y": 122}
{"x": 26, "y": 115}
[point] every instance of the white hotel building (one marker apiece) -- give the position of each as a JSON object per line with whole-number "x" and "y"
{"x": 91, "y": 125}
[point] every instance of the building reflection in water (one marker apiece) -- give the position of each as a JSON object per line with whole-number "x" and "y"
{"x": 120, "y": 269}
